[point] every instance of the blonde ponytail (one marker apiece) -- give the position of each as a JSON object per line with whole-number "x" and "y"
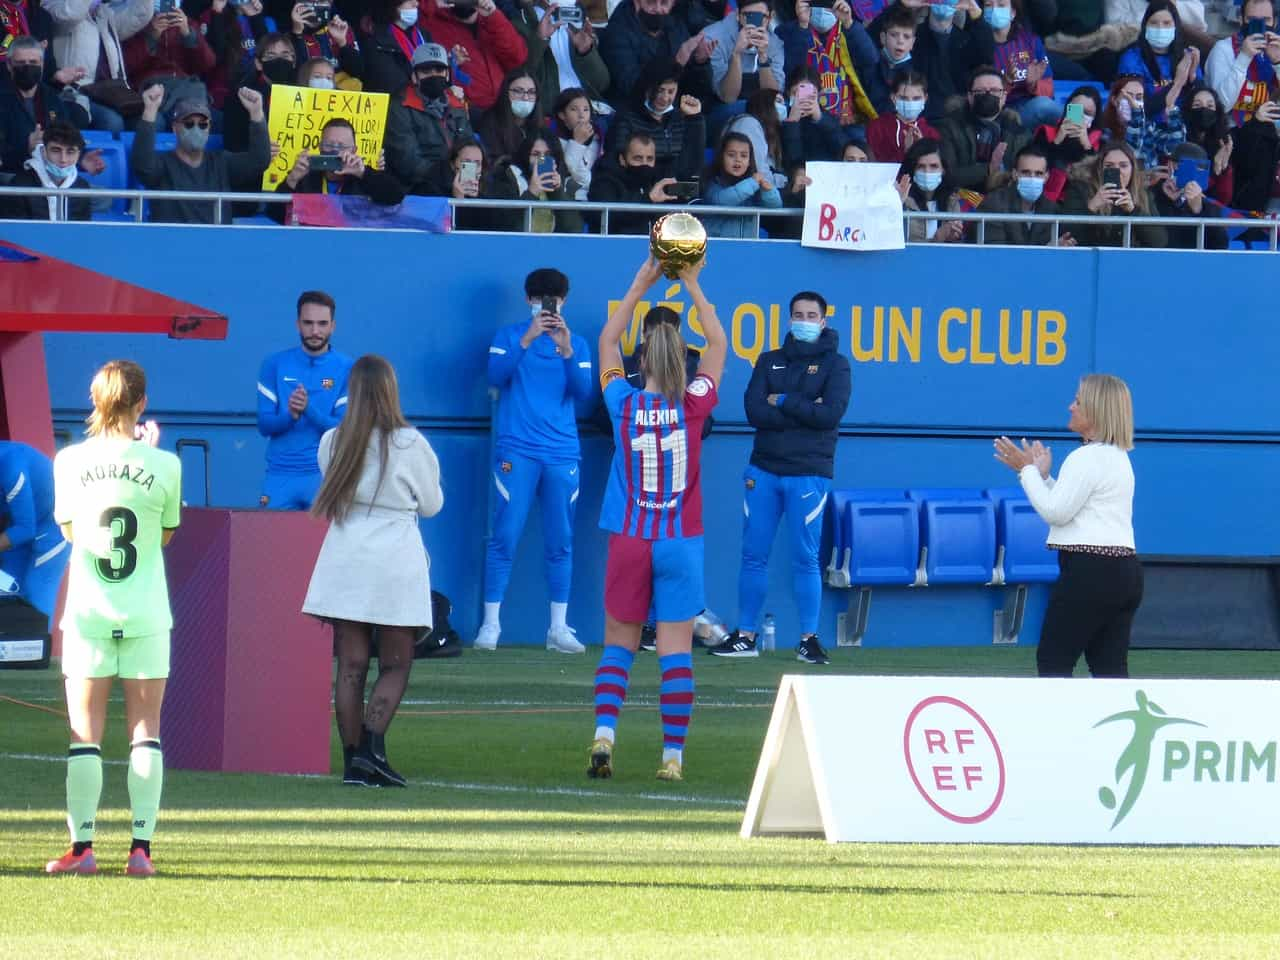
{"x": 663, "y": 361}
{"x": 116, "y": 390}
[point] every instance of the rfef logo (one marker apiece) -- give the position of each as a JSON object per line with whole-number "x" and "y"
{"x": 954, "y": 759}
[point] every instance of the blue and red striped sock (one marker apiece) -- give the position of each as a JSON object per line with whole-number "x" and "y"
{"x": 676, "y": 701}
{"x": 612, "y": 677}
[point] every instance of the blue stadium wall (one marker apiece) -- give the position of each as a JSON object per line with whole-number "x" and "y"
{"x": 949, "y": 347}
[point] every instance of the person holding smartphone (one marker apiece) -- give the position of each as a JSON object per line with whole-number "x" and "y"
{"x": 170, "y": 48}
{"x": 541, "y": 372}
{"x": 826, "y": 37}
{"x": 808, "y": 133}
{"x": 1112, "y": 186}
{"x": 1242, "y": 67}
{"x": 563, "y": 51}
{"x": 338, "y": 170}
{"x": 534, "y": 174}
{"x": 746, "y": 56}
{"x": 1184, "y": 193}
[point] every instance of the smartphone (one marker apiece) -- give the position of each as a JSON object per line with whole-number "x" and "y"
{"x": 822, "y": 3}
{"x": 569, "y": 16}
{"x": 544, "y": 166}
{"x": 469, "y": 171}
{"x": 1074, "y": 113}
{"x": 806, "y": 91}
{"x": 1256, "y": 27}
{"x": 755, "y": 19}
{"x": 325, "y": 163}
{"x": 319, "y": 13}
{"x": 166, "y": 6}
{"x": 463, "y": 8}
{"x": 550, "y": 305}
{"x": 1191, "y": 171}
{"x": 1111, "y": 177}
{"x": 683, "y": 189}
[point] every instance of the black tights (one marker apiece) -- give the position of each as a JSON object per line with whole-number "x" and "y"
{"x": 395, "y": 659}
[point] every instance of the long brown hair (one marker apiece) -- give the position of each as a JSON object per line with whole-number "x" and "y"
{"x": 373, "y": 408}
{"x": 116, "y": 389}
{"x": 1137, "y": 188}
{"x": 663, "y": 360}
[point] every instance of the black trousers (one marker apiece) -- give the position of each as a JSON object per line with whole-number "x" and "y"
{"x": 1090, "y": 611}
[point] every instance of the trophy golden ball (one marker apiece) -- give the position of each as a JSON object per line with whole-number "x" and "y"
{"x": 677, "y": 240}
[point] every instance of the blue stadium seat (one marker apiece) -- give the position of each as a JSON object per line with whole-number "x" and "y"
{"x": 839, "y": 527}
{"x": 114, "y": 177}
{"x": 883, "y": 538}
{"x": 958, "y": 536}
{"x": 1020, "y": 535}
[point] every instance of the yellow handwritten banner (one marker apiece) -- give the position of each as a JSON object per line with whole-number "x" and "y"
{"x": 298, "y": 114}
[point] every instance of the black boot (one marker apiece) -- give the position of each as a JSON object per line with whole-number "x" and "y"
{"x": 371, "y": 758}
{"x": 352, "y": 777}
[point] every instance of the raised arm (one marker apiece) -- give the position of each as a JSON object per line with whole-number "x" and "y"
{"x": 713, "y": 354}
{"x": 610, "y": 351}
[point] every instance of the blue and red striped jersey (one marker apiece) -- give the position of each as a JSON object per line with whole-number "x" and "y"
{"x": 655, "y": 483}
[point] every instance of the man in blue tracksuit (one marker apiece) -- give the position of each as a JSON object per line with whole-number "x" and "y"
{"x": 540, "y": 371}
{"x": 795, "y": 400}
{"x": 32, "y": 550}
{"x": 301, "y": 393}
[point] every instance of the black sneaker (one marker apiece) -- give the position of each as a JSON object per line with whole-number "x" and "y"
{"x": 649, "y": 638}
{"x": 436, "y": 645}
{"x": 735, "y": 645}
{"x": 809, "y": 650}
{"x": 371, "y": 758}
{"x": 351, "y": 777}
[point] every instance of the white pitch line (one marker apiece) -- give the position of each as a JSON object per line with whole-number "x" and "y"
{"x": 463, "y": 787}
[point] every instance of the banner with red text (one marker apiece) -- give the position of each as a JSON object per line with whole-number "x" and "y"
{"x": 853, "y": 206}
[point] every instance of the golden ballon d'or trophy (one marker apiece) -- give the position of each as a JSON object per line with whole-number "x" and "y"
{"x": 677, "y": 240}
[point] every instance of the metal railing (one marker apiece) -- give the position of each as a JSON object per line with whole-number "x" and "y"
{"x": 758, "y": 216}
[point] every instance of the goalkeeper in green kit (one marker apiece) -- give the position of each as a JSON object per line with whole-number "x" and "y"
{"x": 117, "y": 500}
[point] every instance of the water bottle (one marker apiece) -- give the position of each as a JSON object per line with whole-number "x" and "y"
{"x": 768, "y": 634}
{"x": 710, "y": 628}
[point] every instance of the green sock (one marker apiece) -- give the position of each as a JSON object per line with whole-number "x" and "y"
{"x": 146, "y": 778}
{"x": 84, "y": 790}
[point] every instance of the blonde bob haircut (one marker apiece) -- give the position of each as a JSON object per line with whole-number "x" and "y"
{"x": 1106, "y": 402}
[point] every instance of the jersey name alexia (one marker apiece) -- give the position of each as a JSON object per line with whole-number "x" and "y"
{"x": 118, "y": 471}
{"x": 657, "y": 418}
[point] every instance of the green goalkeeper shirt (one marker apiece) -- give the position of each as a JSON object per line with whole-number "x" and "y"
{"x": 119, "y": 496}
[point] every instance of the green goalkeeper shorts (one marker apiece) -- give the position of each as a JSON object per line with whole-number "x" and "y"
{"x": 130, "y": 658}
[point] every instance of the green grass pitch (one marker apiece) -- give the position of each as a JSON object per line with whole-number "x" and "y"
{"x": 502, "y": 847}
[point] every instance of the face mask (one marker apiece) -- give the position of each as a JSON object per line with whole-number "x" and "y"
{"x": 193, "y": 139}
{"x": 1030, "y": 188}
{"x": 408, "y": 18}
{"x": 783, "y": 112}
{"x": 522, "y": 108}
{"x": 59, "y": 173}
{"x": 650, "y": 21}
{"x": 433, "y": 88}
{"x": 821, "y": 19}
{"x": 998, "y": 17}
{"x": 27, "y": 76}
{"x": 897, "y": 63}
{"x": 928, "y": 180}
{"x": 648, "y": 105}
{"x": 278, "y": 70}
{"x": 986, "y": 106}
{"x": 909, "y": 110}
{"x": 942, "y": 11}
{"x": 1159, "y": 38}
{"x": 806, "y": 331}
{"x": 1202, "y": 118}
{"x": 322, "y": 83}
{"x": 535, "y": 309}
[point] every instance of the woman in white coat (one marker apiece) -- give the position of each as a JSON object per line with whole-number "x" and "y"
{"x": 84, "y": 31}
{"x": 380, "y": 476}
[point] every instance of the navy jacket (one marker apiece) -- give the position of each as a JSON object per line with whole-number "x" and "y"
{"x": 798, "y": 438}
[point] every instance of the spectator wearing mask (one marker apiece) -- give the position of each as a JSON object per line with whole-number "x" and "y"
{"x": 1160, "y": 47}
{"x": 482, "y": 38}
{"x": 1208, "y": 127}
{"x": 674, "y": 122}
{"x": 1242, "y": 68}
{"x": 313, "y": 36}
{"x": 90, "y": 37}
{"x": 808, "y": 132}
{"x": 515, "y": 116}
{"x": 761, "y": 123}
{"x": 233, "y": 31}
{"x": 836, "y": 47}
{"x": 561, "y": 57}
{"x": 746, "y": 56}
{"x": 1151, "y": 135}
{"x": 28, "y": 105}
{"x": 977, "y": 135}
{"x": 534, "y": 174}
{"x": 191, "y": 167}
{"x": 167, "y": 52}
{"x": 318, "y": 74}
{"x": 302, "y": 394}
{"x": 953, "y": 40}
{"x": 541, "y": 372}
{"x": 1112, "y": 186}
{"x": 1256, "y": 159}
{"x": 425, "y": 120}
{"x": 897, "y": 39}
{"x": 53, "y": 165}
{"x": 634, "y": 178}
{"x": 642, "y": 32}
{"x": 892, "y": 134}
{"x": 352, "y": 179}
{"x": 581, "y": 142}
{"x": 1178, "y": 195}
{"x": 1072, "y": 141}
{"x": 273, "y": 63}
{"x": 734, "y": 181}
{"x": 921, "y": 180}
{"x": 1020, "y": 55}
{"x": 1024, "y": 194}
{"x": 389, "y": 47}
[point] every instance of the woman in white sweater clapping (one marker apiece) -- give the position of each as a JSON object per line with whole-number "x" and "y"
{"x": 1089, "y": 509}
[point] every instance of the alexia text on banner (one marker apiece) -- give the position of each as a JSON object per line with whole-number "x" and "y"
{"x": 298, "y": 115}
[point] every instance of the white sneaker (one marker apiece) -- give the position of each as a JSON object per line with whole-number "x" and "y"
{"x": 563, "y": 640}
{"x": 487, "y": 638}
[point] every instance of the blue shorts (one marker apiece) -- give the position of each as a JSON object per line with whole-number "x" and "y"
{"x": 289, "y": 491}
{"x": 666, "y": 573}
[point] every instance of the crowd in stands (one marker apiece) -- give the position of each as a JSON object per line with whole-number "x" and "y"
{"x": 1170, "y": 110}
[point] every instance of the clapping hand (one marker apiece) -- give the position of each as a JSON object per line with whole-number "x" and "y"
{"x": 1016, "y": 457}
{"x": 148, "y": 433}
{"x": 297, "y": 401}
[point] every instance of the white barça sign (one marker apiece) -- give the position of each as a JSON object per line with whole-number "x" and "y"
{"x": 963, "y": 760}
{"x": 852, "y": 206}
